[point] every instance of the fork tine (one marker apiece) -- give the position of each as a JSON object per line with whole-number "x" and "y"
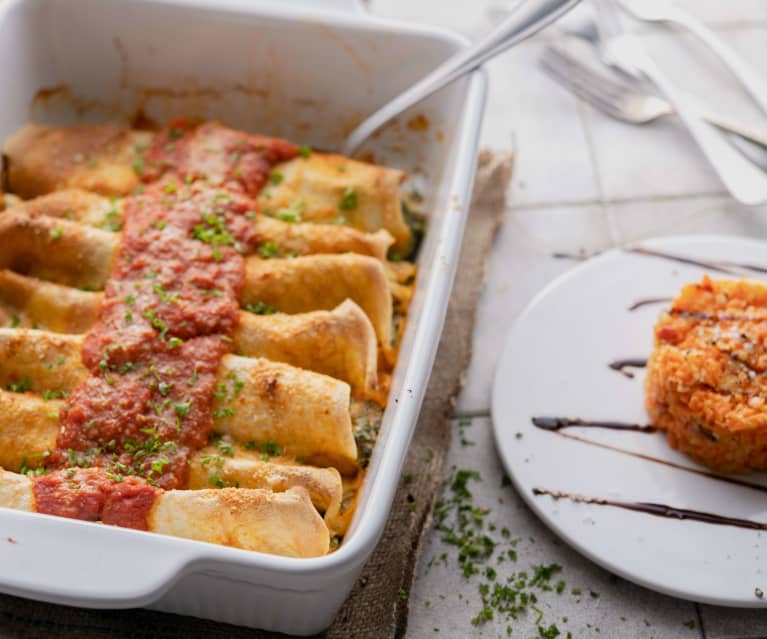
{"x": 585, "y": 89}
{"x": 570, "y": 67}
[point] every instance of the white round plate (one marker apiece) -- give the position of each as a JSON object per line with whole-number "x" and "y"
{"x": 555, "y": 363}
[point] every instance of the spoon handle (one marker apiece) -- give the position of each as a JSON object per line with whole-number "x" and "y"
{"x": 746, "y": 74}
{"x": 527, "y": 19}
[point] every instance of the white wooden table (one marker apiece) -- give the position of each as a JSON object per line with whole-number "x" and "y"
{"x": 582, "y": 183}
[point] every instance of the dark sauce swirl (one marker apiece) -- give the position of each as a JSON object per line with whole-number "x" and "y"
{"x": 657, "y": 510}
{"x": 558, "y": 423}
{"x": 620, "y": 366}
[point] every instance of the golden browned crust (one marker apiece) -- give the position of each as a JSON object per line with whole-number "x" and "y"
{"x": 332, "y": 188}
{"x": 306, "y": 413}
{"x": 95, "y": 157}
{"x": 310, "y": 239}
{"x": 57, "y": 250}
{"x": 317, "y": 282}
{"x": 28, "y": 302}
{"x": 232, "y": 465}
{"x": 77, "y": 205}
{"x": 47, "y": 361}
{"x": 252, "y": 519}
{"x": 283, "y": 523}
{"x": 28, "y": 429}
{"x": 340, "y": 343}
{"x": 16, "y": 492}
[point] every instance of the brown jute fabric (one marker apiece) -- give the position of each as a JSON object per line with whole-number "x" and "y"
{"x": 378, "y": 605}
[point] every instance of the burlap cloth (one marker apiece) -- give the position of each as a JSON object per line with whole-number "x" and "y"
{"x": 378, "y": 605}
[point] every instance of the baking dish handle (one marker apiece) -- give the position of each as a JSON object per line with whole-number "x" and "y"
{"x": 82, "y": 564}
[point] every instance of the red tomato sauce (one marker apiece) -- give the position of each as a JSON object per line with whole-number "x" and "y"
{"x": 211, "y": 152}
{"x": 91, "y": 495}
{"x": 169, "y": 308}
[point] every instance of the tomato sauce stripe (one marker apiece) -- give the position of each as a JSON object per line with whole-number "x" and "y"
{"x": 169, "y": 308}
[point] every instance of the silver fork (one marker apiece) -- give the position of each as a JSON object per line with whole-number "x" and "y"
{"x": 621, "y": 100}
{"x": 743, "y": 179}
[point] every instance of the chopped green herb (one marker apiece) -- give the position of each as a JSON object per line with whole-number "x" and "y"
{"x": 226, "y": 448}
{"x": 49, "y": 394}
{"x": 213, "y": 232}
{"x": 349, "y": 200}
{"x": 181, "y": 408}
{"x": 269, "y": 249}
{"x": 260, "y": 308}
{"x": 56, "y": 234}
{"x": 215, "y": 480}
{"x": 22, "y": 386}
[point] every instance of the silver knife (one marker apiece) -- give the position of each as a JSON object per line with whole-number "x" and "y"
{"x": 746, "y": 182}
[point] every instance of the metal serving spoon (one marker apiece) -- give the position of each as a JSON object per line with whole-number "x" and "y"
{"x": 529, "y": 17}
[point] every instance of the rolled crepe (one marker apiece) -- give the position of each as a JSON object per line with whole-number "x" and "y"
{"x": 247, "y": 469}
{"x": 251, "y": 519}
{"x": 95, "y": 157}
{"x": 329, "y": 188}
{"x": 28, "y": 429}
{"x": 340, "y": 343}
{"x": 317, "y": 282}
{"x": 309, "y": 239}
{"x": 305, "y": 414}
{"x": 77, "y": 205}
{"x": 30, "y": 302}
{"x": 57, "y": 250}
{"x": 291, "y": 237}
{"x": 109, "y": 160}
{"x": 70, "y": 253}
{"x": 41, "y": 360}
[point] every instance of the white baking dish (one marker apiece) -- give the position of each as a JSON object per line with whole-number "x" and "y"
{"x": 304, "y": 70}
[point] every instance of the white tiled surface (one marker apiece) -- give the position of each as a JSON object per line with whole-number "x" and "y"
{"x": 446, "y": 600}
{"x": 582, "y": 183}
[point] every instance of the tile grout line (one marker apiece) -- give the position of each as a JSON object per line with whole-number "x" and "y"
{"x": 585, "y": 121}
{"x": 628, "y": 200}
{"x": 471, "y": 414}
{"x": 700, "y": 620}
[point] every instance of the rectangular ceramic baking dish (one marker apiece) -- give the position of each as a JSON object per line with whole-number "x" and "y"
{"x": 304, "y": 70}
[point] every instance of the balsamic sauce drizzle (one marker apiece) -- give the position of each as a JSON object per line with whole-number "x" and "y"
{"x": 648, "y": 301}
{"x": 620, "y": 365}
{"x": 723, "y": 266}
{"x": 580, "y": 257}
{"x": 658, "y": 510}
{"x": 558, "y": 423}
{"x": 688, "y": 469}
